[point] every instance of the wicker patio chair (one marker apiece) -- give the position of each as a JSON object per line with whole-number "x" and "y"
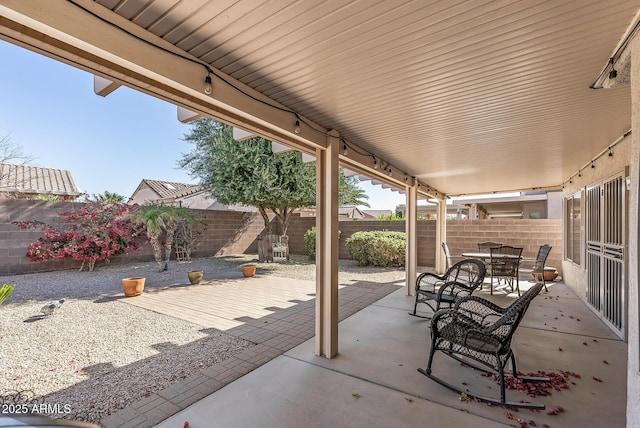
{"x": 458, "y": 281}
{"x": 476, "y": 329}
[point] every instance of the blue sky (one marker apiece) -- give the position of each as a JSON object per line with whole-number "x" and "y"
{"x": 109, "y": 143}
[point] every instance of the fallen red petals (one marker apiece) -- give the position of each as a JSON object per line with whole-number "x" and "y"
{"x": 17, "y": 377}
{"x": 555, "y": 411}
{"x": 597, "y": 379}
{"x": 557, "y": 382}
{"x": 186, "y": 425}
{"x": 585, "y": 343}
{"x": 605, "y": 361}
{"x": 595, "y": 340}
{"x": 560, "y": 349}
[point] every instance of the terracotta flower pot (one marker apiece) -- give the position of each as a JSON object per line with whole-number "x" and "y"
{"x": 195, "y": 276}
{"x": 549, "y": 274}
{"x": 249, "y": 270}
{"x": 133, "y": 286}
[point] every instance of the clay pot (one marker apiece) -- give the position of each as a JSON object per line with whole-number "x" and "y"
{"x": 195, "y": 276}
{"x": 249, "y": 270}
{"x": 133, "y": 286}
{"x": 549, "y": 274}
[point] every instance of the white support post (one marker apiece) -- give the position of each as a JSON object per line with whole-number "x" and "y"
{"x": 327, "y": 248}
{"x": 411, "y": 227}
{"x": 441, "y": 235}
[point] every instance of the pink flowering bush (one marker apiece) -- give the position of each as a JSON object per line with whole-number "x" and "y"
{"x": 90, "y": 233}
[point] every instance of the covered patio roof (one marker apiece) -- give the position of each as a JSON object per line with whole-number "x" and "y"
{"x": 467, "y": 96}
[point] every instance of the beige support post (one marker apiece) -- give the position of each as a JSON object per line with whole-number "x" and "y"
{"x": 441, "y": 235}
{"x": 411, "y": 226}
{"x": 633, "y": 334}
{"x": 327, "y": 248}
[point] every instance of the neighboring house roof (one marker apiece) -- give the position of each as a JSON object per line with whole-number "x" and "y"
{"x": 33, "y": 180}
{"x": 377, "y": 213}
{"x": 170, "y": 189}
{"x": 186, "y": 195}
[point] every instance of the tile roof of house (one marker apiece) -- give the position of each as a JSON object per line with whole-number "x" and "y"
{"x": 172, "y": 190}
{"x": 35, "y": 179}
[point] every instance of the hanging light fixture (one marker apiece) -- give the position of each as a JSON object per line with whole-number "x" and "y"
{"x": 208, "y": 87}
{"x": 296, "y": 129}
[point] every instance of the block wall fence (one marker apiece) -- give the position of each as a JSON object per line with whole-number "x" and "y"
{"x": 231, "y": 232}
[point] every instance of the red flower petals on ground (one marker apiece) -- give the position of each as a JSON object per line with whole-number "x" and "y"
{"x": 555, "y": 411}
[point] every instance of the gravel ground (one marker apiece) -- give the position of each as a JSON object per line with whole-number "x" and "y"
{"x": 89, "y": 361}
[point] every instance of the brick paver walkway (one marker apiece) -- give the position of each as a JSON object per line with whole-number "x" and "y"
{"x": 274, "y": 313}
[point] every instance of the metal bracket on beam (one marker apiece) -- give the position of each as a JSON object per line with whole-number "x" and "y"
{"x": 185, "y": 115}
{"x": 104, "y": 87}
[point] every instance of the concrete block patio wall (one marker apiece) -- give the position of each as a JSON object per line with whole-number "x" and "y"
{"x": 231, "y": 232}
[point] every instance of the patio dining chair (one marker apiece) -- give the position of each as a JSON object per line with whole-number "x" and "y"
{"x": 447, "y": 254}
{"x": 484, "y": 247}
{"x": 505, "y": 262}
{"x": 458, "y": 281}
{"x": 538, "y": 268}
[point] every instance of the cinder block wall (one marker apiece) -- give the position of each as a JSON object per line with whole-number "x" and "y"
{"x": 230, "y": 232}
{"x": 227, "y": 232}
{"x": 530, "y": 234}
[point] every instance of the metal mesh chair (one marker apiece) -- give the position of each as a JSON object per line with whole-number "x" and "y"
{"x": 476, "y": 329}
{"x": 448, "y": 255}
{"x": 538, "y": 268}
{"x": 458, "y": 281}
{"x": 504, "y": 263}
{"x": 484, "y": 247}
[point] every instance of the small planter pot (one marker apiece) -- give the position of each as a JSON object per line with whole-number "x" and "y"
{"x": 133, "y": 286}
{"x": 249, "y": 270}
{"x": 550, "y": 273}
{"x": 195, "y": 276}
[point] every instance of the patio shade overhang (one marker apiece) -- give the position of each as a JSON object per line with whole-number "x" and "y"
{"x": 468, "y": 97}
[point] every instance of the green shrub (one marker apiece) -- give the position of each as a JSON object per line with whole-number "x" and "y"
{"x": 310, "y": 242}
{"x": 377, "y": 248}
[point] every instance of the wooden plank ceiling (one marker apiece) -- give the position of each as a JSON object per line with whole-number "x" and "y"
{"x": 469, "y": 96}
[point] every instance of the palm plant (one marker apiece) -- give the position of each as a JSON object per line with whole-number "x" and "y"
{"x": 5, "y": 290}
{"x": 159, "y": 219}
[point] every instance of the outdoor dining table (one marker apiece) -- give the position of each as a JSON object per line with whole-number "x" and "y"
{"x": 484, "y": 256}
{"x": 493, "y": 258}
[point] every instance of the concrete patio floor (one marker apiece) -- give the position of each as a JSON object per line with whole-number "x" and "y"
{"x": 373, "y": 382}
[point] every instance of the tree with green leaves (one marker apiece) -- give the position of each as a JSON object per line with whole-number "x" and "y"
{"x": 249, "y": 173}
{"x": 109, "y": 198}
